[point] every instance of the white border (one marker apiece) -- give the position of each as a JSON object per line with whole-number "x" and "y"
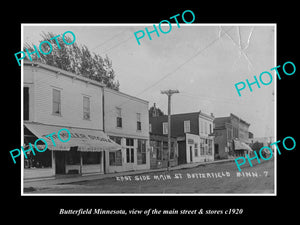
{"x": 151, "y": 194}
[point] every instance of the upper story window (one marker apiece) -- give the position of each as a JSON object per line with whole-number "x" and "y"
{"x": 138, "y": 123}
{"x": 165, "y": 128}
{"x": 119, "y": 117}
{"x": 187, "y": 126}
{"x": 56, "y": 102}
{"x": 26, "y": 103}
{"x": 86, "y": 108}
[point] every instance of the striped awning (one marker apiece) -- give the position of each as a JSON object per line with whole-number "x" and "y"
{"x": 239, "y": 145}
{"x": 86, "y": 140}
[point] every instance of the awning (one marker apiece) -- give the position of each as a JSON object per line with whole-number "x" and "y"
{"x": 86, "y": 140}
{"x": 239, "y": 145}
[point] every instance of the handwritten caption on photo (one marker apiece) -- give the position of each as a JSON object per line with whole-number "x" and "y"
{"x": 175, "y": 176}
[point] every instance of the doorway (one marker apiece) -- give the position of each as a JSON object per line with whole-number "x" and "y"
{"x": 191, "y": 153}
{"x": 60, "y": 162}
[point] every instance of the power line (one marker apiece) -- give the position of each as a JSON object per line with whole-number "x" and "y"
{"x": 108, "y": 39}
{"x": 185, "y": 62}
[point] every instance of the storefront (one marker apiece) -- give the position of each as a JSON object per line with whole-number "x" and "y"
{"x": 195, "y": 148}
{"x": 159, "y": 152}
{"x": 241, "y": 148}
{"x": 82, "y": 154}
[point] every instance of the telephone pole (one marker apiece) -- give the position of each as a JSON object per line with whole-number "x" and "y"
{"x": 169, "y": 93}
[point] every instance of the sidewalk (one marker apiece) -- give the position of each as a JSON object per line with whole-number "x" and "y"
{"x": 69, "y": 179}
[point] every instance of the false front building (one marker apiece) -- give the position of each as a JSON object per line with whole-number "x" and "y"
{"x": 193, "y": 133}
{"x": 231, "y": 135}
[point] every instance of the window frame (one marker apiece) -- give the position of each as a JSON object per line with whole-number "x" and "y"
{"x": 85, "y": 108}
{"x": 186, "y": 124}
{"x": 55, "y": 102}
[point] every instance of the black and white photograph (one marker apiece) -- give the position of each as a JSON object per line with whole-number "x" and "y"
{"x": 117, "y": 92}
{"x": 144, "y": 112}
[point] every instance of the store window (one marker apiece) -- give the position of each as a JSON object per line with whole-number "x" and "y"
{"x": 158, "y": 150}
{"x": 91, "y": 158}
{"x": 165, "y": 151}
{"x": 202, "y": 146}
{"x": 196, "y": 149}
{"x": 73, "y": 157}
{"x": 141, "y": 152}
{"x": 56, "y": 102}
{"x": 172, "y": 153}
{"x": 115, "y": 158}
{"x": 39, "y": 160}
{"x": 86, "y": 108}
{"x": 129, "y": 150}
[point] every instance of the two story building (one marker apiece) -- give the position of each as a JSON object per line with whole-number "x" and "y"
{"x": 55, "y": 99}
{"x": 231, "y": 137}
{"x": 193, "y": 132}
{"x": 126, "y": 121}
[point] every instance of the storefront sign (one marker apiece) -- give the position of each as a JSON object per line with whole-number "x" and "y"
{"x": 52, "y": 137}
{"x": 190, "y": 141}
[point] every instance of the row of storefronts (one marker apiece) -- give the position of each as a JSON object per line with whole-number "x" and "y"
{"x": 110, "y": 130}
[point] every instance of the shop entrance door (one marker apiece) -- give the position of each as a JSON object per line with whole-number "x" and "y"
{"x": 60, "y": 163}
{"x": 191, "y": 154}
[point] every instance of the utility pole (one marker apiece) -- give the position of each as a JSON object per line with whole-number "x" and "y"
{"x": 169, "y": 93}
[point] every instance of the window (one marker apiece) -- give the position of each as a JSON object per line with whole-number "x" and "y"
{"x": 141, "y": 152}
{"x": 129, "y": 150}
{"x": 210, "y": 128}
{"x": 73, "y": 157}
{"x": 115, "y": 158}
{"x": 201, "y": 126}
{"x": 150, "y": 128}
{"x": 90, "y": 158}
{"x": 165, "y": 128}
{"x": 196, "y": 149}
{"x": 209, "y": 147}
{"x": 187, "y": 126}
{"x": 205, "y": 123}
{"x": 172, "y": 153}
{"x": 86, "y": 108}
{"x": 26, "y": 103}
{"x": 39, "y": 160}
{"x": 138, "y": 123}
{"x": 165, "y": 152}
{"x": 201, "y": 146}
{"x": 56, "y": 102}
{"x": 158, "y": 150}
{"x": 119, "y": 117}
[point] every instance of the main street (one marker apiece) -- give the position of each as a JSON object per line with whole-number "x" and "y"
{"x": 221, "y": 178}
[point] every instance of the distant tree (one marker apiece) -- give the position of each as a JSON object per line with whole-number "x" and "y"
{"x": 155, "y": 111}
{"x": 256, "y": 146}
{"x": 76, "y": 59}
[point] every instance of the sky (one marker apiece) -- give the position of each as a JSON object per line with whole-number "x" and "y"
{"x": 202, "y": 61}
